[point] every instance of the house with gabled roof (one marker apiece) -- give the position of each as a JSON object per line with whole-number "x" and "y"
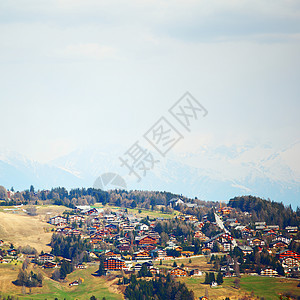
{"x": 141, "y": 255}
{"x": 288, "y": 253}
{"x": 256, "y": 242}
{"x": 146, "y": 240}
{"x": 57, "y": 219}
{"x": 43, "y": 258}
{"x": 179, "y": 272}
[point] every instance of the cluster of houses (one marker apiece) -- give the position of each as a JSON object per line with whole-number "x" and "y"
{"x": 135, "y": 243}
{"x": 7, "y": 253}
{"x": 130, "y": 241}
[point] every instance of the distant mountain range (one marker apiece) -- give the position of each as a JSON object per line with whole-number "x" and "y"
{"x": 209, "y": 174}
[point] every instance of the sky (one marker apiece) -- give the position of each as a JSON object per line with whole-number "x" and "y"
{"x": 94, "y": 72}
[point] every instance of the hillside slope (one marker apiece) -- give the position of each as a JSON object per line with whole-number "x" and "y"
{"x": 24, "y": 230}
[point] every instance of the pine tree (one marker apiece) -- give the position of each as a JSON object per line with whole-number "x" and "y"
{"x": 206, "y": 281}
{"x": 219, "y": 278}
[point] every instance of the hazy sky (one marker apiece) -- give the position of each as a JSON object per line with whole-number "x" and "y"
{"x": 76, "y": 72}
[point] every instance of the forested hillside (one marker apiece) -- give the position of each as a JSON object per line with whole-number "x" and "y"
{"x": 271, "y": 212}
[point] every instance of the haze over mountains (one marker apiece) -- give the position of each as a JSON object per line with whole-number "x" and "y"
{"x": 209, "y": 173}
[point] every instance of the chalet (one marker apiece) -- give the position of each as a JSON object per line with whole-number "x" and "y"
{"x": 273, "y": 227}
{"x": 153, "y": 270}
{"x": 196, "y": 272}
{"x": 223, "y": 238}
{"x": 49, "y": 265}
{"x": 61, "y": 225}
{"x": 187, "y": 253}
{"x": 270, "y": 233}
{"x": 109, "y": 218}
{"x": 154, "y": 234}
{"x": 76, "y": 219}
{"x": 200, "y": 225}
{"x": 92, "y": 212}
{"x": 178, "y": 272}
{"x": 146, "y": 240}
{"x": 73, "y": 283}
{"x": 291, "y": 229}
{"x": 246, "y": 249}
{"x": 147, "y": 247}
{"x": 137, "y": 267}
{"x": 291, "y": 263}
{"x": 282, "y": 239}
{"x": 43, "y": 258}
{"x": 260, "y": 224}
{"x": 279, "y": 245}
{"x": 80, "y": 266}
{"x": 176, "y": 201}
{"x": 260, "y": 227}
{"x": 200, "y": 235}
{"x": 206, "y": 250}
{"x": 269, "y": 272}
{"x": 12, "y": 252}
{"x": 178, "y": 249}
{"x": 141, "y": 255}
{"x": 226, "y": 210}
{"x": 159, "y": 253}
{"x": 144, "y": 227}
{"x": 226, "y": 246}
{"x": 114, "y": 264}
{"x": 58, "y": 219}
{"x": 191, "y": 218}
{"x": 74, "y": 232}
{"x": 256, "y": 242}
{"x": 110, "y": 253}
{"x": 288, "y": 253}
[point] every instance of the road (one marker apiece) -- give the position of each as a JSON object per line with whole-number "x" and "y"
{"x": 221, "y": 225}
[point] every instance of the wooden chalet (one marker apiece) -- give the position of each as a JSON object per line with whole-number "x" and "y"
{"x": 76, "y": 219}
{"x": 110, "y": 253}
{"x": 43, "y": 258}
{"x": 80, "y": 266}
{"x": 256, "y": 242}
{"x": 57, "y": 219}
{"x": 141, "y": 255}
{"x": 153, "y": 270}
{"x": 288, "y": 253}
{"x": 269, "y": 272}
{"x": 114, "y": 264}
{"x": 73, "y": 283}
{"x": 291, "y": 229}
{"x": 187, "y": 253}
{"x": 49, "y": 265}
{"x": 279, "y": 245}
{"x": 178, "y": 272}
{"x": 146, "y": 240}
{"x": 147, "y": 247}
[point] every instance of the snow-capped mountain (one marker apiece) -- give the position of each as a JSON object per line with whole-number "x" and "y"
{"x": 20, "y": 172}
{"x": 210, "y": 173}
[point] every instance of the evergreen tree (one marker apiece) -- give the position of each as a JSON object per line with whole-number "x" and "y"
{"x": 219, "y": 278}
